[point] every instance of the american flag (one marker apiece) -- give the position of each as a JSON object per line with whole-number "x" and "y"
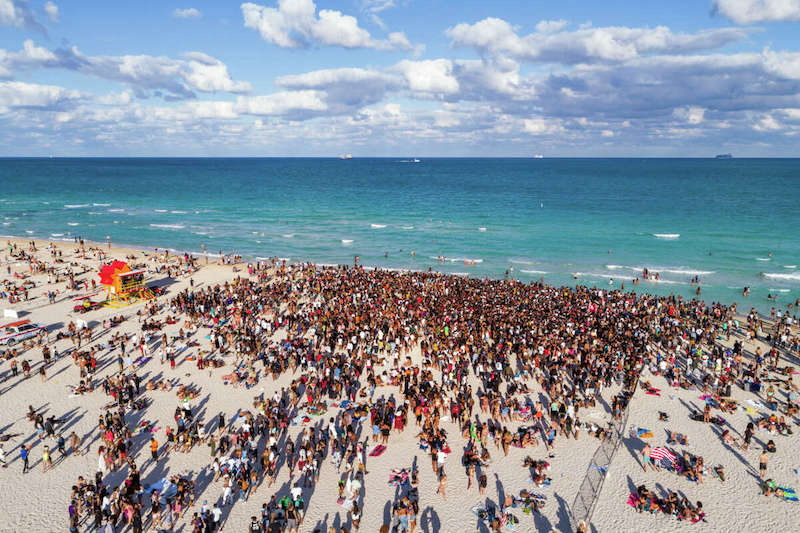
{"x": 663, "y": 455}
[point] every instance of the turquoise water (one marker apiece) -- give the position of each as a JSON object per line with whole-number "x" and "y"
{"x": 543, "y": 218}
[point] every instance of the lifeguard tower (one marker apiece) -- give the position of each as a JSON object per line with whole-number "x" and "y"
{"x": 123, "y": 285}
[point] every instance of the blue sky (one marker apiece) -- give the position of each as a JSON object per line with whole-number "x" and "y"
{"x": 400, "y": 77}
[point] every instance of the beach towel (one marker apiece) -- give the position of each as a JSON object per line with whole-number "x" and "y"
{"x": 698, "y": 518}
{"x": 166, "y": 489}
{"x": 633, "y": 500}
{"x": 377, "y": 450}
{"x": 789, "y": 494}
{"x": 398, "y": 477}
{"x": 664, "y": 456}
{"x": 756, "y": 403}
{"x": 644, "y": 433}
{"x": 144, "y": 425}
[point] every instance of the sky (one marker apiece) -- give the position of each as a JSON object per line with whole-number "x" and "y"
{"x": 422, "y": 78}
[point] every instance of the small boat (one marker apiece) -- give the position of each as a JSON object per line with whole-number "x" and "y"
{"x": 723, "y": 156}
{"x": 346, "y": 156}
{"x": 538, "y": 156}
{"x": 415, "y": 160}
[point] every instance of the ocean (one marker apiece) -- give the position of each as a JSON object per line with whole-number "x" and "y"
{"x": 733, "y": 223}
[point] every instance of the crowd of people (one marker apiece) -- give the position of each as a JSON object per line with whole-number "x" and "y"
{"x": 452, "y": 349}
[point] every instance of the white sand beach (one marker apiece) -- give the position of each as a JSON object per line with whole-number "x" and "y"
{"x": 39, "y": 500}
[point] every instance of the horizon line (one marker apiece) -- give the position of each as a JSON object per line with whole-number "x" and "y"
{"x": 336, "y": 157}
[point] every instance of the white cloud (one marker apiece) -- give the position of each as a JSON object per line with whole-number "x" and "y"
{"x": 212, "y": 110}
{"x": 793, "y": 114}
{"x": 607, "y": 133}
{"x": 430, "y": 76}
{"x": 493, "y": 36}
{"x": 30, "y": 56}
{"x": 750, "y": 11}
{"x": 492, "y": 79}
{"x": 542, "y": 126}
{"x": 144, "y": 73}
{"x": 690, "y": 114}
{"x": 327, "y": 77}
{"x": 376, "y": 6}
{"x": 346, "y": 89}
{"x": 51, "y": 10}
{"x": 207, "y": 74}
{"x": 767, "y": 123}
{"x": 296, "y": 23}
{"x": 115, "y": 99}
{"x": 16, "y": 13}
{"x": 32, "y": 95}
{"x": 333, "y": 28}
{"x": 188, "y": 13}
{"x": 550, "y": 26}
{"x": 783, "y": 64}
{"x": 282, "y": 103}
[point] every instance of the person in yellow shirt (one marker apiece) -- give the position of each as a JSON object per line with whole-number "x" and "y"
{"x": 47, "y": 462}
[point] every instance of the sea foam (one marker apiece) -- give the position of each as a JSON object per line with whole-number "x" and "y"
{"x": 793, "y": 276}
{"x": 167, "y": 226}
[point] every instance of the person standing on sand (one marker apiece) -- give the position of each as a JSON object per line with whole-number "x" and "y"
{"x": 24, "y": 452}
{"x": 75, "y": 443}
{"x": 646, "y": 457}
{"x": 763, "y": 459}
{"x": 47, "y": 461}
{"x": 61, "y": 445}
